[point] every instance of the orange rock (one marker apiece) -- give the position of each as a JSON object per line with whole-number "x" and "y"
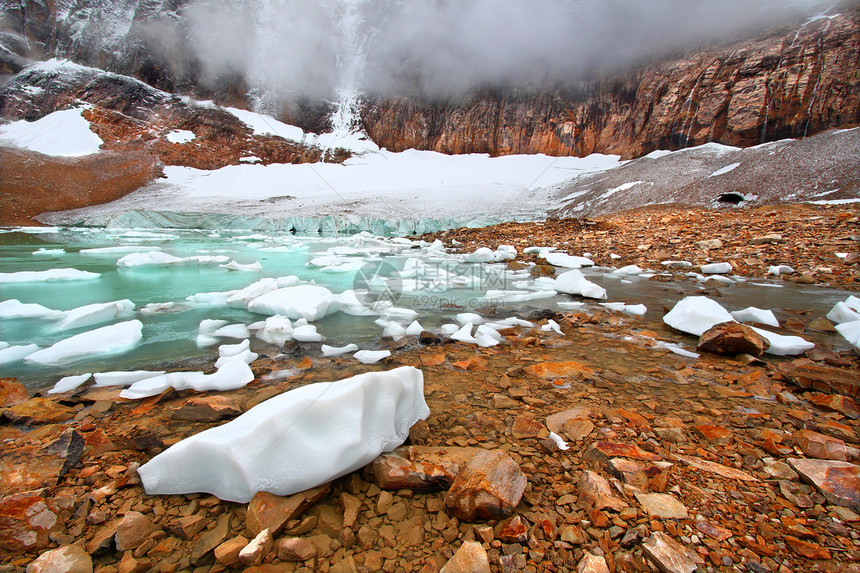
{"x": 806, "y": 549}
{"x": 715, "y": 434}
{"x": 419, "y": 467}
{"x": 305, "y": 363}
{"x": 559, "y": 370}
{"x": 603, "y": 451}
{"x": 526, "y": 426}
{"x": 821, "y": 446}
{"x": 432, "y": 359}
{"x": 512, "y": 530}
{"x": 12, "y": 392}
{"x": 636, "y": 419}
{"x": 489, "y": 487}
{"x": 837, "y": 403}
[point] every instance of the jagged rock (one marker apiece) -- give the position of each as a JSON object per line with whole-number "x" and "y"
{"x": 604, "y": 451}
{"x": 26, "y": 467}
{"x": 186, "y": 527}
{"x": 512, "y": 530}
{"x": 26, "y": 522}
{"x": 419, "y": 467}
{"x": 66, "y": 559}
{"x": 427, "y": 338}
{"x": 716, "y": 435}
{"x": 37, "y": 411}
{"x": 210, "y": 539}
{"x": 12, "y": 392}
{"x": 488, "y": 487}
{"x": 837, "y": 481}
{"x": 134, "y": 529}
{"x": 716, "y": 468}
{"x": 130, "y": 564}
{"x": 207, "y": 409}
{"x": 662, "y": 505}
{"x": 269, "y": 511}
{"x": 351, "y": 505}
{"x": 470, "y": 558}
{"x": 227, "y": 553}
{"x": 669, "y": 555}
{"x": 502, "y": 402}
{"x": 595, "y": 491}
{"x": 837, "y": 403}
{"x": 822, "y": 378}
{"x": 807, "y": 549}
{"x": 647, "y": 476}
{"x": 591, "y": 563}
{"x": 820, "y": 446}
{"x": 257, "y": 549}
{"x": 576, "y": 430}
{"x": 295, "y": 549}
{"x": 732, "y": 338}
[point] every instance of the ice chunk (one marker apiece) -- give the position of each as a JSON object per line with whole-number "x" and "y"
{"x": 482, "y": 255}
{"x": 51, "y": 275}
{"x": 210, "y": 298}
{"x": 121, "y": 250}
{"x": 232, "y": 375}
{"x": 414, "y": 329}
{"x": 371, "y": 356}
{"x": 469, "y": 317}
{"x": 304, "y": 301}
{"x": 331, "y": 351}
{"x": 449, "y": 329}
{"x": 780, "y": 270}
{"x": 4, "y": 345}
{"x": 551, "y": 325}
{"x": 565, "y": 260}
{"x": 14, "y": 308}
{"x": 295, "y": 441}
{"x": 464, "y": 334}
{"x": 307, "y": 333}
{"x": 237, "y": 330}
{"x": 106, "y": 340}
{"x": 277, "y": 330}
{"x": 125, "y": 378}
{"x": 562, "y": 445}
{"x": 209, "y": 325}
{"x": 571, "y": 305}
{"x": 234, "y": 266}
{"x": 233, "y": 349}
{"x": 677, "y": 349}
{"x": 68, "y": 383}
{"x": 161, "y": 308}
{"x": 841, "y": 312}
{"x": 15, "y": 353}
{"x": 241, "y": 298}
{"x": 696, "y": 314}
{"x": 850, "y": 331}
{"x": 781, "y": 345}
{"x": 753, "y": 314}
{"x": 574, "y": 282}
{"x": 161, "y": 259}
{"x": 392, "y": 329}
{"x": 49, "y": 253}
{"x": 717, "y": 268}
{"x": 96, "y": 314}
{"x": 636, "y": 309}
{"x": 245, "y": 356}
{"x": 628, "y": 270}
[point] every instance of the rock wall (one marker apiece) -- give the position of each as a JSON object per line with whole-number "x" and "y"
{"x": 788, "y": 83}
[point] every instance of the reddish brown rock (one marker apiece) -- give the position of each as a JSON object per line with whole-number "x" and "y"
{"x": 559, "y": 370}
{"x": 228, "y": 552}
{"x": 716, "y": 435}
{"x": 592, "y": 564}
{"x": 647, "y": 476}
{"x": 596, "y": 492}
{"x": 555, "y": 422}
{"x": 269, "y": 511}
{"x": 133, "y": 530}
{"x": 732, "y": 338}
{"x": 295, "y": 549}
{"x": 470, "y": 558}
{"x": 576, "y": 430}
{"x": 12, "y": 392}
{"x": 37, "y": 411}
{"x": 66, "y": 559}
{"x": 716, "y": 468}
{"x": 26, "y": 522}
{"x": 836, "y": 403}
{"x": 713, "y": 531}
{"x": 669, "y": 555}
{"x": 806, "y": 549}
{"x": 662, "y": 505}
{"x": 512, "y": 530}
{"x": 526, "y": 426}
{"x": 418, "y": 467}
{"x": 837, "y": 481}
{"x": 207, "y": 409}
{"x": 25, "y": 466}
{"x": 210, "y": 539}
{"x": 489, "y": 487}
{"x": 186, "y": 527}
{"x": 604, "y": 451}
{"x": 822, "y": 378}
{"x": 820, "y": 446}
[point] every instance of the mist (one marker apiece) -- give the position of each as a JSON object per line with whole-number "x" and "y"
{"x": 293, "y": 49}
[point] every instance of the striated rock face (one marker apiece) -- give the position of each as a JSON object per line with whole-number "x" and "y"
{"x": 788, "y": 83}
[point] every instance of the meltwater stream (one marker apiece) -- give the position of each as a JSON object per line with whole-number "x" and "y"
{"x": 407, "y": 280}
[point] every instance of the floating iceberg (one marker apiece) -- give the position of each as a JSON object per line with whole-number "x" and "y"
{"x": 97, "y": 313}
{"x": 101, "y": 341}
{"x": 574, "y": 282}
{"x": 51, "y": 275}
{"x": 332, "y": 351}
{"x": 843, "y": 312}
{"x": 14, "y": 308}
{"x": 850, "y": 331}
{"x": 11, "y": 354}
{"x": 304, "y": 301}
{"x": 295, "y": 441}
{"x": 696, "y": 314}
{"x": 160, "y": 259}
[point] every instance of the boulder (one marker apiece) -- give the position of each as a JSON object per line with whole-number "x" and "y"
{"x": 36, "y": 411}
{"x": 26, "y": 521}
{"x": 134, "y": 529}
{"x": 837, "y": 481}
{"x": 820, "y": 446}
{"x": 418, "y": 467}
{"x": 489, "y": 487}
{"x": 732, "y": 338}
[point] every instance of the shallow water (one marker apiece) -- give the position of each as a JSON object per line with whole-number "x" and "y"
{"x": 170, "y": 334}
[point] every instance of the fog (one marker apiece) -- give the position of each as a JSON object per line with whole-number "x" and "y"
{"x": 316, "y": 48}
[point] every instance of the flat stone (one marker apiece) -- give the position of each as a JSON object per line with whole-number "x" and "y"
{"x": 36, "y": 411}
{"x": 26, "y": 522}
{"x": 207, "y": 409}
{"x": 732, "y": 338}
{"x": 418, "y": 467}
{"x": 488, "y": 487}
{"x": 827, "y": 379}
{"x": 12, "y": 392}
{"x": 133, "y": 529}
{"x": 470, "y": 558}
{"x": 228, "y": 552}
{"x": 210, "y": 539}
{"x": 662, "y": 505}
{"x": 502, "y": 402}
{"x": 604, "y": 451}
{"x": 716, "y": 435}
{"x": 559, "y": 370}
{"x": 669, "y": 555}
{"x": 186, "y": 527}
{"x": 257, "y": 549}
{"x": 715, "y": 468}
{"x": 555, "y": 422}
{"x": 576, "y": 430}
{"x": 842, "y": 431}
{"x": 837, "y": 403}
{"x": 595, "y": 490}
{"x": 27, "y": 467}
{"x": 713, "y": 531}
{"x": 526, "y": 426}
{"x": 779, "y": 470}
{"x": 820, "y": 446}
{"x": 272, "y": 512}
{"x": 806, "y": 549}
{"x": 592, "y": 564}
{"x": 647, "y": 476}
{"x": 837, "y": 481}
{"x": 296, "y": 549}
{"x": 66, "y": 559}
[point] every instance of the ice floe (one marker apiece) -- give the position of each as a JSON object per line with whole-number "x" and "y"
{"x": 14, "y": 308}
{"x": 12, "y": 354}
{"x": 753, "y": 314}
{"x": 234, "y": 266}
{"x": 294, "y": 441}
{"x": 574, "y": 282}
{"x": 68, "y": 383}
{"x": 102, "y": 341}
{"x": 125, "y": 378}
{"x": 162, "y": 259}
{"x": 782, "y": 345}
{"x": 98, "y": 313}
{"x": 310, "y": 302}
{"x": 332, "y": 351}
{"x": 696, "y": 314}
{"x": 565, "y": 260}
{"x": 50, "y": 275}
{"x": 231, "y": 375}
{"x": 371, "y": 356}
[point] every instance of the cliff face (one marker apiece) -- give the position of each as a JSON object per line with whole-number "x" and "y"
{"x": 785, "y": 84}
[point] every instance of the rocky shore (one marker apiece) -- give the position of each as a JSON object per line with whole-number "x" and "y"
{"x": 673, "y": 463}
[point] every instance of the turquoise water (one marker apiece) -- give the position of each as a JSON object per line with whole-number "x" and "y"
{"x": 169, "y": 335}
